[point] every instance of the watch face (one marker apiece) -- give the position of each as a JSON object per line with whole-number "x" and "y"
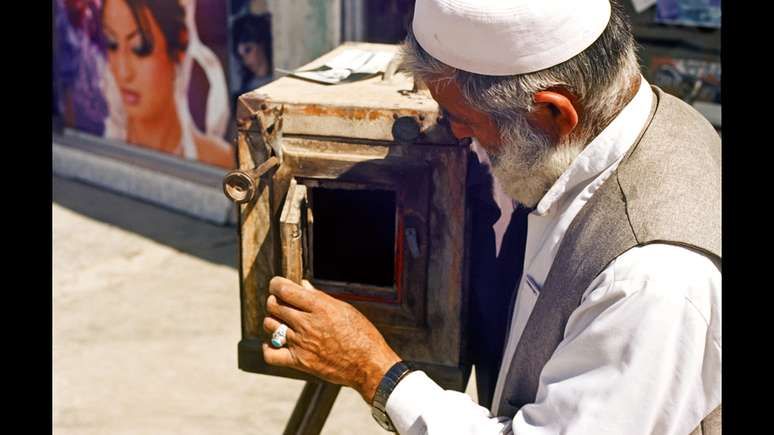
{"x": 383, "y": 391}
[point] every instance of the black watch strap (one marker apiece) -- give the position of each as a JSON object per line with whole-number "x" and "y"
{"x": 383, "y": 391}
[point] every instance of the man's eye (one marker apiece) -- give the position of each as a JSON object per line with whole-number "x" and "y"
{"x": 111, "y": 45}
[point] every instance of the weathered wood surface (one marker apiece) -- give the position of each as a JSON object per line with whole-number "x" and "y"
{"x": 362, "y": 109}
{"x": 291, "y": 231}
{"x": 425, "y": 323}
{"x": 312, "y": 408}
{"x": 255, "y": 238}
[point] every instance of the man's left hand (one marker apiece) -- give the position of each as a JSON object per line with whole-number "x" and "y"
{"x": 326, "y": 337}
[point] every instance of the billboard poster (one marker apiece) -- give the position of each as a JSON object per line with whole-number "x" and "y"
{"x": 150, "y": 73}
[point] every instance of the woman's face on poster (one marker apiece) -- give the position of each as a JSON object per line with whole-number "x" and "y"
{"x": 252, "y": 55}
{"x": 144, "y": 73}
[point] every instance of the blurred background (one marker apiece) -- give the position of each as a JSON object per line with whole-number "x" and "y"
{"x": 145, "y": 278}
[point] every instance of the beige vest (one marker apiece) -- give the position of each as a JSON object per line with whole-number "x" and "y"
{"x": 666, "y": 190}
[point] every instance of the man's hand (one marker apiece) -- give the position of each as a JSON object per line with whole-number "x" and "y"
{"x": 326, "y": 337}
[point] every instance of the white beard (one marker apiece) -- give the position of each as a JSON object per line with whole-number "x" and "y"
{"x": 529, "y": 164}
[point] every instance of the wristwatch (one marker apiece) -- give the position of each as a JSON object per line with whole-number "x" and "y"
{"x": 383, "y": 391}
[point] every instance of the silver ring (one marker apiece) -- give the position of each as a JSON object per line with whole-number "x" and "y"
{"x": 280, "y": 336}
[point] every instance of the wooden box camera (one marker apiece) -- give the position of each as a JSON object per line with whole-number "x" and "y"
{"x": 358, "y": 187}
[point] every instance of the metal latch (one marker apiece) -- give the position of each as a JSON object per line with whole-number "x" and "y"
{"x": 411, "y": 239}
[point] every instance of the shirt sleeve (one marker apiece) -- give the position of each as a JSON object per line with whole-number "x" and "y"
{"x": 419, "y": 406}
{"x": 641, "y": 355}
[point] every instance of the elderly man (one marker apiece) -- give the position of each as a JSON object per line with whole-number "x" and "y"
{"x": 615, "y": 326}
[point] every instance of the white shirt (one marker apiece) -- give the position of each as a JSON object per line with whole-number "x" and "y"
{"x": 640, "y": 355}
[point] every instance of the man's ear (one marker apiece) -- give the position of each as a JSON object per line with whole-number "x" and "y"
{"x": 554, "y": 113}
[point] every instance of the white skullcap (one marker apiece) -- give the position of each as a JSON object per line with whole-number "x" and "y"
{"x": 507, "y": 37}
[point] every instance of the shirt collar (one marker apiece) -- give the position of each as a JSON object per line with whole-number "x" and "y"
{"x": 606, "y": 149}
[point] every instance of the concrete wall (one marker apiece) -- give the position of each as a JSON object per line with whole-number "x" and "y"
{"x": 303, "y": 30}
{"x": 353, "y": 19}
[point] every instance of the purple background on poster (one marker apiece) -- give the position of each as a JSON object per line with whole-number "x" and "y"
{"x": 211, "y": 24}
{"x": 78, "y": 50}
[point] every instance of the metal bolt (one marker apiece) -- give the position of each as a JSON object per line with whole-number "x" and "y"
{"x": 240, "y": 185}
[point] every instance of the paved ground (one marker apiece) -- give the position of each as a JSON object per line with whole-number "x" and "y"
{"x": 146, "y": 322}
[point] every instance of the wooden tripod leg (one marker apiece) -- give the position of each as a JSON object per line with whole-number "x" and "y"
{"x": 312, "y": 408}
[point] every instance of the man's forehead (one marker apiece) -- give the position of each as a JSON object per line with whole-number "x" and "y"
{"x": 439, "y": 85}
{"x": 452, "y": 102}
{"x": 446, "y": 92}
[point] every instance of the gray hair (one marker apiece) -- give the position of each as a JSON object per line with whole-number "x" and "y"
{"x": 600, "y": 78}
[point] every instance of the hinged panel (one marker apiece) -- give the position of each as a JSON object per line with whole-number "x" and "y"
{"x": 291, "y": 229}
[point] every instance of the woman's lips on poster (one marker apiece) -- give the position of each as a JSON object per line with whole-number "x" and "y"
{"x": 130, "y": 97}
